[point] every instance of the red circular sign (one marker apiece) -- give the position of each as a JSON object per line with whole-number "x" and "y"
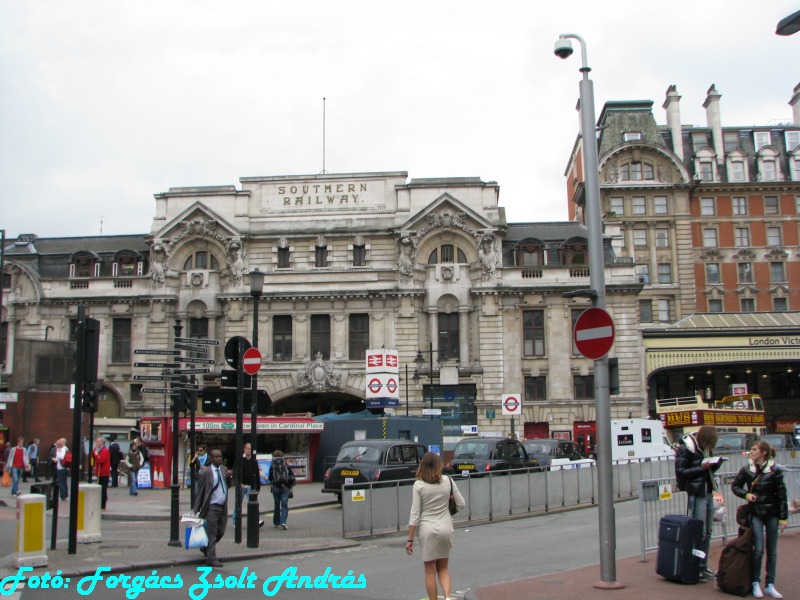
{"x": 375, "y": 385}
{"x": 391, "y": 386}
{"x": 594, "y": 333}
{"x": 251, "y": 361}
{"x": 511, "y": 404}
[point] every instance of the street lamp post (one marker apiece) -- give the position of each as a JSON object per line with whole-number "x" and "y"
{"x": 563, "y": 49}
{"x": 256, "y": 288}
{"x": 421, "y": 361}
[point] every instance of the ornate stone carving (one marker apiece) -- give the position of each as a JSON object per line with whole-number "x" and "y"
{"x": 318, "y": 376}
{"x": 611, "y": 172}
{"x": 488, "y": 254}
{"x": 196, "y": 228}
{"x": 235, "y": 257}
{"x": 406, "y": 255}
{"x": 159, "y": 264}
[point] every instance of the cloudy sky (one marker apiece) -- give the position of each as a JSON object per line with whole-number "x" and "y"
{"x": 104, "y": 103}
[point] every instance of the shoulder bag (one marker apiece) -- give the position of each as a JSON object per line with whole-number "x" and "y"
{"x": 451, "y": 505}
{"x": 744, "y": 511}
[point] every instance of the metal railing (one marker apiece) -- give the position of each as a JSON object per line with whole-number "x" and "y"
{"x": 660, "y": 496}
{"x": 383, "y": 507}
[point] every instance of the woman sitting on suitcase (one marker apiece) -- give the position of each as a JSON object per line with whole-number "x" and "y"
{"x": 761, "y": 483}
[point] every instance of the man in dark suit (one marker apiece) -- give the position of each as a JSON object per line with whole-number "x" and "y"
{"x": 211, "y": 503}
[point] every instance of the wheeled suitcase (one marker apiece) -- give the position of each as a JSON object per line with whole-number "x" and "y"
{"x": 679, "y": 553}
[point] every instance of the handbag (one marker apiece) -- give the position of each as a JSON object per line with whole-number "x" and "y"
{"x": 6, "y": 479}
{"x": 744, "y": 511}
{"x": 451, "y": 505}
{"x": 196, "y": 537}
{"x": 66, "y": 462}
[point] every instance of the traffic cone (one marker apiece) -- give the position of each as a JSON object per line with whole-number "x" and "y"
{"x": 158, "y": 478}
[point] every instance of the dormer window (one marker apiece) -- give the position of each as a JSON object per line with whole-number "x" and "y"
{"x": 768, "y": 167}
{"x": 127, "y": 264}
{"x": 792, "y": 140}
{"x": 761, "y": 139}
{"x": 530, "y": 254}
{"x": 576, "y": 253}
{"x": 84, "y": 264}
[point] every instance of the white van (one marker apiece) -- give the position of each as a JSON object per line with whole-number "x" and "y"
{"x": 639, "y": 439}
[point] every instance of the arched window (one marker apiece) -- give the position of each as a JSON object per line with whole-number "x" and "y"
{"x": 127, "y": 263}
{"x": 448, "y": 253}
{"x": 201, "y": 260}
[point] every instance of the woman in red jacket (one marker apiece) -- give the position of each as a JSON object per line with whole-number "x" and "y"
{"x": 102, "y": 467}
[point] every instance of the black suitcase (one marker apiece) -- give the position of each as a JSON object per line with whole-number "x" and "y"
{"x": 678, "y": 537}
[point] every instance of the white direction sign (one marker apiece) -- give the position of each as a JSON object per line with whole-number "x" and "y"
{"x": 512, "y": 404}
{"x": 432, "y": 412}
{"x": 8, "y": 396}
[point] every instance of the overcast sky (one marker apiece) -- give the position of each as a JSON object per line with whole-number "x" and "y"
{"x": 105, "y": 103}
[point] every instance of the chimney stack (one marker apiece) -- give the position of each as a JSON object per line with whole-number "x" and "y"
{"x": 714, "y": 121}
{"x": 795, "y": 104}
{"x": 671, "y": 104}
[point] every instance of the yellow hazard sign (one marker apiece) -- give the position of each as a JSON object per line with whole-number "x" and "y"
{"x": 358, "y": 495}
{"x": 665, "y": 493}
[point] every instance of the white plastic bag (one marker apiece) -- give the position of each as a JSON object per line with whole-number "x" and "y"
{"x": 192, "y": 519}
{"x": 196, "y": 538}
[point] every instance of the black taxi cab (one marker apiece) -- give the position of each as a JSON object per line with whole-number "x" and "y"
{"x": 364, "y": 461}
{"x": 474, "y": 456}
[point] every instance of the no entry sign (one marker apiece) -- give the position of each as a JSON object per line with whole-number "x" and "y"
{"x": 594, "y": 333}
{"x": 251, "y": 361}
{"x": 512, "y": 405}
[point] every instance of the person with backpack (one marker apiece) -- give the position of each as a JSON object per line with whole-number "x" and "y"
{"x": 695, "y": 476}
{"x": 116, "y": 457}
{"x": 282, "y": 481}
{"x": 761, "y": 484}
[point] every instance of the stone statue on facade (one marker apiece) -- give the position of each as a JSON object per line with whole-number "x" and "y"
{"x": 406, "y": 255}
{"x": 235, "y": 258}
{"x": 488, "y": 257}
{"x": 158, "y": 265}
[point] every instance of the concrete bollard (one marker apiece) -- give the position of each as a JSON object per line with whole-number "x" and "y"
{"x": 89, "y": 513}
{"x": 31, "y": 548}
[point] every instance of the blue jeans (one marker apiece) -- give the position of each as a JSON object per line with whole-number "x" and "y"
{"x": 61, "y": 475}
{"x": 281, "y": 497}
{"x": 702, "y": 507}
{"x": 133, "y": 477}
{"x": 771, "y": 525}
{"x": 245, "y": 494}
{"x": 16, "y": 473}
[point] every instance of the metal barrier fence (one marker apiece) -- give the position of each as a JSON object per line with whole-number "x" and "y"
{"x": 660, "y": 496}
{"x": 384, "y": 507}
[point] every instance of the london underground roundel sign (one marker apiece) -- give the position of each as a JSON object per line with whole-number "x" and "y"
{"x": 594, "y": 333}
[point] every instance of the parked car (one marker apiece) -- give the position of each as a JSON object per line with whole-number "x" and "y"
{"x": 735, "y": 442}
{"x": 551, "y": 453}
{"x": 781, "y": 441}
{"x": 366, "y": 461}
{"x": 480, "y": 455}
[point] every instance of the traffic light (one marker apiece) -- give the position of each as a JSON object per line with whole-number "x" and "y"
{"x": 90, "y": 399}
{"x": 91, "y": 347}
{"x": 185, "y": 400}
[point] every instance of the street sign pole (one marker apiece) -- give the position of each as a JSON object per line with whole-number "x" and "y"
{"x": 237, "y": 464}
{"x": 174, "y": 525}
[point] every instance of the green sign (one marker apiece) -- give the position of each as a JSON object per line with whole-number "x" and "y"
{"x": 490, "y": 414}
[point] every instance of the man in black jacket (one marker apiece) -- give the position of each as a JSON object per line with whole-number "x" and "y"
{"x": 695, "y": 475}
{"x": 211, "y": 503}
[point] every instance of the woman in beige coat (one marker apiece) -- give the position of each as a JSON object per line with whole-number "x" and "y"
{"x": 430, "y": 515}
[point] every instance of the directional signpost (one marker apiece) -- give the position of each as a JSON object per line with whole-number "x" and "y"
{"x": 594, "y": 333}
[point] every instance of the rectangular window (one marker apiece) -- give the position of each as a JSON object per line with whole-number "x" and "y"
{"x": 761, "y": 139}
{"x": 643, "y": 272}
{"x": 663, "y": 311}
{"x": 771, "y": 206}
{"x": 660, "y": 205}
{"x": 780, "y": 305}
{"x": 730, "y": 141}
{"x": 737, "y": 170}
{"x": 646, "y": 311}
{"x": 449, "y": 339}
{"x": 631, "y": 136}
{"x": 283, "y": 258}
{"x": 3, "y": 340}
{"x": 707, "y": 207}
{"x": 639, "y": 206}
{"x": 773, "y": 236}
{"x": 640, "y": 237}
{"x": 699, "y": 140}
{"x": 794, "y": 167}
{"x": 664, "y": 273}
{"x": 768, "y": 171}
{"x": 741, "y": 237}
{"x": 706, "y": 170}
{"x": 53, "y": 369}
{"x": 745, "y": 271}
{"x": 136, "y": 392}
{"x": 739, "y": 205}
{"x": 748, "y": 304}
{"x": 6, "y": 281}
{"x": 359, "y": 336}
{"x": 792, "y": 140}
{"x": 321, "y": 336}
{"x": 575, "y": 314}
{"x": 359, "y": 256}
{"x": 448, "y": 253}
{"x": 535, "y": 389}
{"x": 121, "y": 341}
{"x": 321, "y": 257}
{"x": 712, "y": 273}
{"x": 533, "y": 332}
{"x": 584, "y": 386}
{"x": 715, "y": 305}
{"x": 777, "y": 272}
{"x": 282, "y": 337}
{"x": 709, "y": 238}
{"x": 662, "y": 238}
{"x": 617, "y": 206}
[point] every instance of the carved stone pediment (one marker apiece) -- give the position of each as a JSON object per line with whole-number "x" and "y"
{"x": 318, "y": 376}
